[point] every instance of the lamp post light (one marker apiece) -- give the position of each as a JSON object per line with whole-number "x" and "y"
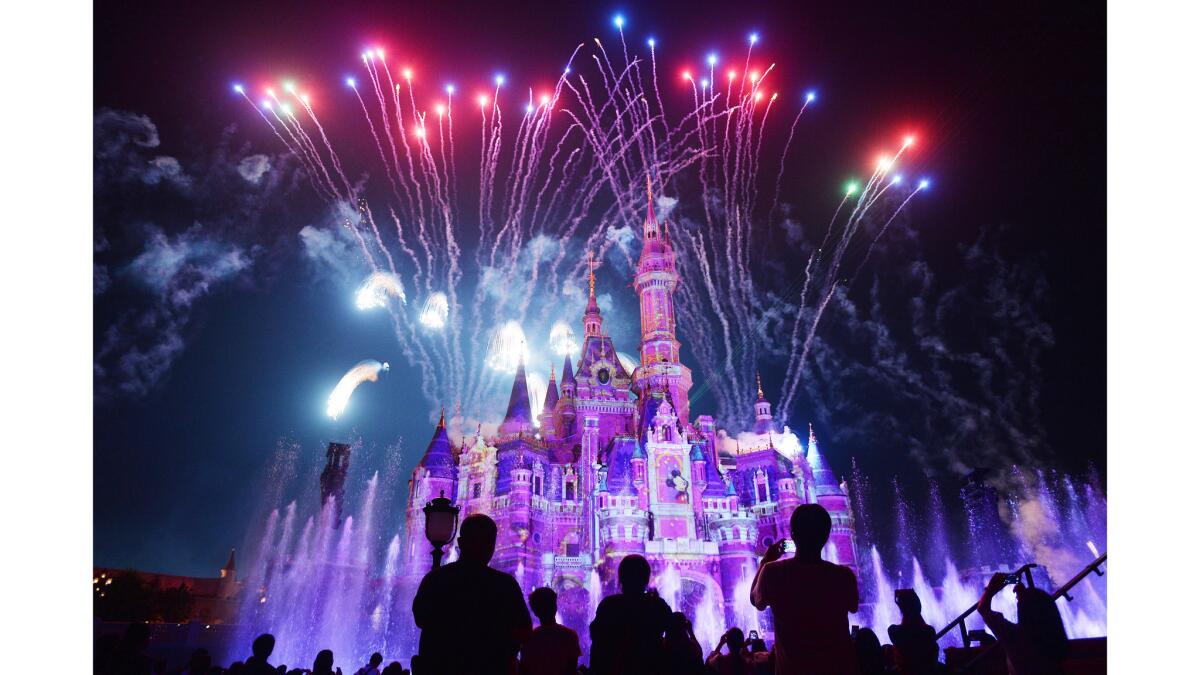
{"x": 441, "y": 523}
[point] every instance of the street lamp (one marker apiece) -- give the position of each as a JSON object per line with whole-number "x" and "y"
{"x": 441, "y": 522}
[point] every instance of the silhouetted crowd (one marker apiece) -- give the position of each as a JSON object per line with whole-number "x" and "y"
{"x": 635, "y": 632}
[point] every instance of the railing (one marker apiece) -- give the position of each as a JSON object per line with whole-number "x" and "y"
{"x": 1063, "y": 591}
{"x": 961, "y": 621}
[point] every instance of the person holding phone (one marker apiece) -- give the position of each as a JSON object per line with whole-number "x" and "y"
{"x": 915, "y": 641}
{"x": 809, "y": 599}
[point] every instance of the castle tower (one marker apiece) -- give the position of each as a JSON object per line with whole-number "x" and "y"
{"x": 735, "y": 531}
{"x": 829, "y": 494}
{"x": 592, "y": 321}
{"x": 655, "y": 282}
{"x": 519, "y": 418}
{"x": 546, "y": 419}
{"x": 333, "y": 477}
{"x": 435, "y": 476}
{"x": 764, "y": 422}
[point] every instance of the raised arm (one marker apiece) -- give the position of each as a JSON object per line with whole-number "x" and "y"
{"x": 991, "y": 618}
{"x": 759, "y": 594}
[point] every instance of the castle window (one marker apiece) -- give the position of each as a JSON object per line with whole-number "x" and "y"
{"x": 475, "y": 490}
{"x": 569, "y": 493}
{"x": 537, "y": 485}
{"x": 762, "y": 492}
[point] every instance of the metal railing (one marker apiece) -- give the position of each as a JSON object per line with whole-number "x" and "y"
{"x": 1062, "y": 592}
{"x": 961, "y": 621}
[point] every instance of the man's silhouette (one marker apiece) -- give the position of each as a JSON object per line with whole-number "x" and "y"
{"x": 809, "y": 599}
{"x": 372, "y": 667}
{"x": 915, "y": 640}
{"x": 261, "y": 649}
{"x": 552, "y": 649}
{"x": 628, "y": 629}
{"x": 472, "y": 618}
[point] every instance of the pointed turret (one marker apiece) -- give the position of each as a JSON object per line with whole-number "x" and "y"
{"x": 826, "y": 482}
{"x": 551, "y": 394}
{"x": 229, "y": 571}
{"x": 438, "y": 460}
{"x": 591, "y": 316}
{"x": 764, "y": 423}
{"x": 519, "y": 418}
{"x": 568, "y": 378}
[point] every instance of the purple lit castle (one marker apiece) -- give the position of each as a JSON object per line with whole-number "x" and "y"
{"x": 615, "y": 464}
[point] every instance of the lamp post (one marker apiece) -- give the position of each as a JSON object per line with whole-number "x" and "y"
{"x": 441, "y": 522}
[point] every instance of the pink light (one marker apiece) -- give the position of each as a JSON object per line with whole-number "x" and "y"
{"x": 758, "y": 96}
{"x": 545, "y": 100}
{"x": 754, "y": 76}
{"x": 408, "y": 73}
{"x": 440, "y": 109}
{"x": 732, "y": 75}
{"x": 909, "y": 140}
{"x": 420, "y": 132}
{"x": 483, "y": 101}
{"x": 687, "y": 75}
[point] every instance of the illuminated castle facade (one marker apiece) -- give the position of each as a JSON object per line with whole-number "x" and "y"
{"x": 614, "y": 463}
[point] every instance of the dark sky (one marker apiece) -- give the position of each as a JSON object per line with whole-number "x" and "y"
{"x": 1008, "y": 99}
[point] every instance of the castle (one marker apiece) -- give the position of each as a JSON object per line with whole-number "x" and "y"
{"x": 615, "y": 464}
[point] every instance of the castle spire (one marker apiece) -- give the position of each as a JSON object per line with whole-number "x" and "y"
{"x": 758, "y": 382}
{"x": 442, "y": 420}
{"x": 519, "y": 418}
{"x": 551, "y": 395}
{"x": 826, "y": 481}
{"x": 591, "y": 316}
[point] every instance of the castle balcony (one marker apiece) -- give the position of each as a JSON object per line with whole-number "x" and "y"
{"x": 681, "y": 548}
{"x": 569, "y": 562}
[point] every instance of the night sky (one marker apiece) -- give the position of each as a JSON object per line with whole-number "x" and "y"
{"x": 1008, "y": 103}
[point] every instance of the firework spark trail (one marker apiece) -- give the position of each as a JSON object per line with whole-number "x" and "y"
{"x": 365, "y": 371}
{"x": 580, "y": 181}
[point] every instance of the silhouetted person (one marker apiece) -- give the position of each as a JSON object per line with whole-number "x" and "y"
{"x": 394, "y": 668}
{"x": 809, "y": 599}
{"x": 915, "y": 641}
{"x": 628, "y": 629}
{"x": 755, "y": 644}
{"x": 682, "y": 654}
{"x": 323, "y": 664}
{"x": 260, "y": 651}
{"x": 869, "y": 652}
{"x": 552, "y": 649}
{"x": 372, "y": 667}
{"x": 472, "y": 618}
{"x": 1037, "y": 642}
{"x": 129, "y": 655}
{"x": 199, "y": 663}
{"x": 736, "y": 661}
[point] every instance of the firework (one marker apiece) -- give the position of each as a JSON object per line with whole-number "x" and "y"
{"x": 365, "y": 371}
{"x": 565, "y": 174}
{"x": 375, "y": 290}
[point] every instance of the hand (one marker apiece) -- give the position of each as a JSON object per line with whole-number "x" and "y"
{"x": 774, "y": 552}
{"x": 995, "y": 584}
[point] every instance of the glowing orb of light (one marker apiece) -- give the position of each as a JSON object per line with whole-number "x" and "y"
{"x": 909, "y": 140}
{"x": 732, "y": 74}
{"x": 924, "y": 184}
{"x": 774, "y": 96}
{"x": 851, "y": 188}
{"x": 754, "y": 76}
{"x": 507, "y": 348}
{"x": 483, "y": 100}
{"x": 884, "y": 163}
{"x": 753, "y": 38}
{"x": 289, "y": 87}
{"x": 420, "y": 132}
{"x": 758, "y": 96}
{"x": 810, "y": 96}
{"x": 499, "y": 80}
{"x": 266, "y": 104}
{"x": 439, "y": 109}
{"x": 238, "y": 88}
{"x": 436, "y": 310}
{"x": 896, "y": 179}
{"x": 704, "y": 83}
{"x": 650, "y": 42}
{"x": 379, "y": 52}
{"x": 365, "y": 371}
{"x": 287, "y": 109}
{"x": 350, "y": 82}
{"x": 545, "y": 99}
{"x": 712, "y": 59}
{"x": 562, "y": 339}
{"x": 450, "y": 89}
{"x": 528, "y": 108}
{"x": 304, "y": 98}
{"x": 374, "y": 291}
{"x": 687, "y": 75}
{"x": 619, "y": 21}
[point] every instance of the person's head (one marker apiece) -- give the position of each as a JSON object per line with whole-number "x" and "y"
{"x": 200, "y": 661}
{"x": 736, "y": 639}
{"x": 376, "y": 659}
{"x": 908, "y": 602}
{"x": 633, "y": 574}
{"x": 393, "y": 668}
{"x": 810, "y": 528}
{"x": 477, "y": 539}
{"x": 1039, "y": 619}
{"x": 678, "y": 626}
{"x": 543, "y": 602}
{"x": 871, "y": 658}
{"x": 323, "y": 662}
{"x": 263, "y": 646}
